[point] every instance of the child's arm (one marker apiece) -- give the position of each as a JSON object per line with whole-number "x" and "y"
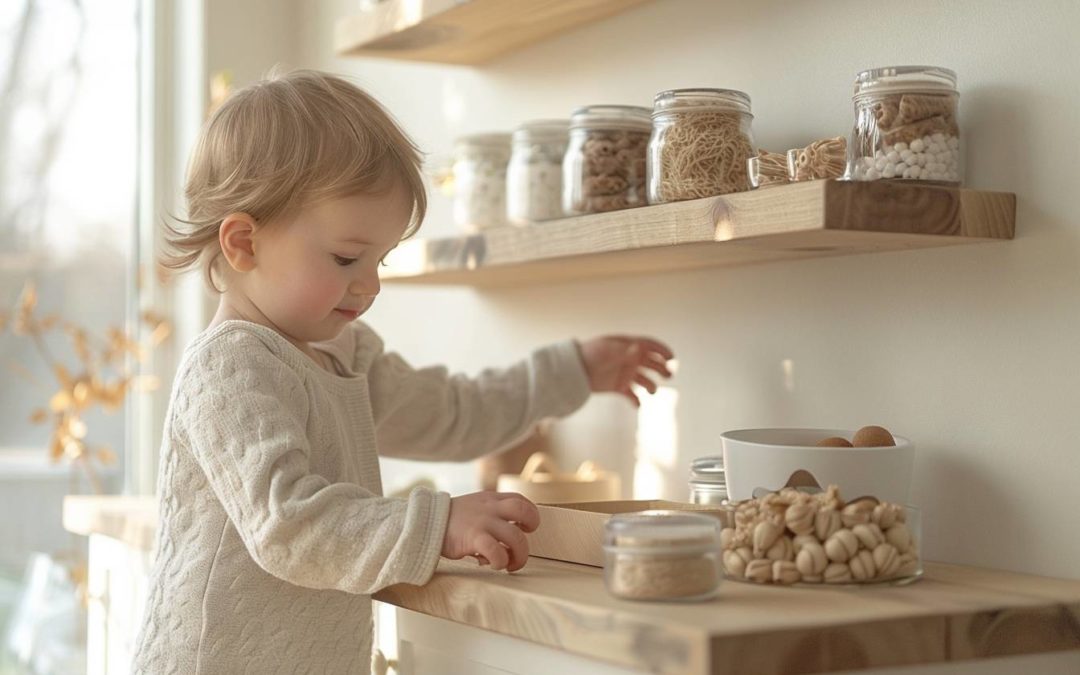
{"x": 428, "y": 413}
{"x": 245, "y": 422}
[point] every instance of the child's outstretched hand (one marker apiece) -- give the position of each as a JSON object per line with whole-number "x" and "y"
{"x": 489, "y": 526}
{"x": 614, "y": 362}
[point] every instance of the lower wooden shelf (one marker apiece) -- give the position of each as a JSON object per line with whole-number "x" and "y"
{"x": 801, "y": 220}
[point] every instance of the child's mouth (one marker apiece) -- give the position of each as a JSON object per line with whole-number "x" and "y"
{"x": 349, "y": 314}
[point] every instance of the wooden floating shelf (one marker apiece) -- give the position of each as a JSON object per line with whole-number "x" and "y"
{"x": 463, "y": 31}
{"x": 790, "y": 222}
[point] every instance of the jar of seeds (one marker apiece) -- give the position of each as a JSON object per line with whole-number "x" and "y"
{"x": 700, "y": 144}
{"x": 479, "y": 173}
{"x": 534, "y": 177}
{"x": 604, "y": 166}
{"x": 905, "y": 126}
{"x": 662, "y": 555}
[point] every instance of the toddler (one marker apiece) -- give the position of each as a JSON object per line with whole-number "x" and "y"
{"x": 273, "y": 528}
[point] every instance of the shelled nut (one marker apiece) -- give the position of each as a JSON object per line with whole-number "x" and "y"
{"x": 837, "y": 573}
{"x": 759, "y": 570}
{"x": 869, "y": 535}
{"x": 900, "y": 537}
{"x": 765, "y": 535}
{"x": 887, "y": 560}
{"x": 785, "y": 572}
{"x": 811, "y": 560}
{"x": 800, "y": 517}
{"x": 841, "y": 546}
{"x": 826, "y": 523}
{"x": 862, "y": 566}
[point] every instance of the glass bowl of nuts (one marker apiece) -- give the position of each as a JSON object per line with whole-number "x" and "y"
{"x": 796, "y": 537}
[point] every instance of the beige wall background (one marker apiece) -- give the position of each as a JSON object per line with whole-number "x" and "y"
{"x": 969, "y": 351}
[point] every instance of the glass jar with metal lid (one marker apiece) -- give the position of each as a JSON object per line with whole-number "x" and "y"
{"x": 700, "y": 144}
{"x": 480, "y": 180}
{"x": 604, "y": 166}
{"x": 708, "y": 482}
{"x": 906, "y": 126}
{"x": 534, "y": 176}
{"x": 662, "y": 555}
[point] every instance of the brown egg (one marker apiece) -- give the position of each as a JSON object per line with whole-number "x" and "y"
{"x": 833, "y": 442}
{"x": 872, "y": 437}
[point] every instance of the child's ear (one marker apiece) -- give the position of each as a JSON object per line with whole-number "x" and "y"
{"x": 236, "y": 236}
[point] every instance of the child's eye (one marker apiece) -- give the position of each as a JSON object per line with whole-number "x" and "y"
{"x": 344, "y": 262}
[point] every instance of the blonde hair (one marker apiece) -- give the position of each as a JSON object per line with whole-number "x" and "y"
{"x": 281, "y": 143}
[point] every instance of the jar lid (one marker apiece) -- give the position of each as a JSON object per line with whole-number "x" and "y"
{"x": 702, "y": 99}
{"x": 545, "y": 130}
{"x": 612, "y": 117}
{"x": 493, "y": 141}
{"x": 708, "y": 470}
{"x": 897, "y": 79}
{"x": 661, "y": 532}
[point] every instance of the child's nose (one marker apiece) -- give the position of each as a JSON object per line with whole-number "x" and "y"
{"x": 367, "y": 285}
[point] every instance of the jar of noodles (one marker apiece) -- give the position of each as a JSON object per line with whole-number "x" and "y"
{"x": 700, "y": 144}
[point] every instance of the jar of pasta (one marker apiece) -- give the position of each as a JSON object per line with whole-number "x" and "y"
{"x": 534, "y": 177}
{"x": 604, "y": 166}
{"x": 905, "y": 126}
{"x": 480, "y": 180}
{"x": 700, "y": 144}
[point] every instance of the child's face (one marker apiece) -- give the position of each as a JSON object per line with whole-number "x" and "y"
{"x": 319, "y": 270}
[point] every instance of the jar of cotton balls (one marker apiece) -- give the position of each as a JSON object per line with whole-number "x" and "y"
{"x": 479, "y": 172}
{"x": 534, "y": 177}
{"x": 905, "y": 126}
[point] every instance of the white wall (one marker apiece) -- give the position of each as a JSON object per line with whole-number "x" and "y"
{"x": 968, "y": 350}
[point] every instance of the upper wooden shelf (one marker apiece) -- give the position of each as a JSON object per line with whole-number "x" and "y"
{"x": 463, "y": 31}
{"x": 802, "y": 220}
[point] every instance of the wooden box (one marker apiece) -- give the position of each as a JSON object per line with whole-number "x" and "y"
{"x": 575, "y": 532}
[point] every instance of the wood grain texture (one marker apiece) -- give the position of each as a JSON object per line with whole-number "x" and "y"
{"x": 463, "y": 31}
{"x": 954, "y": 613}
{"x": 801, "y": 220}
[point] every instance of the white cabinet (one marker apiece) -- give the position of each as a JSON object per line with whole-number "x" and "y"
{"x": 116, "y": 590}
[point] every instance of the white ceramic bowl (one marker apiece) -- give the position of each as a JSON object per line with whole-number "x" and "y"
{"x": 766, "y": 458}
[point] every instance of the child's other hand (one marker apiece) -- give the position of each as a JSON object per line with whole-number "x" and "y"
{"x": 490, "y": 525}
{"x": 614, "y": 362}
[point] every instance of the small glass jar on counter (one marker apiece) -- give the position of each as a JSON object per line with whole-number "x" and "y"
{"x": 708, "y": 482}
{"x": 604, "y": 166}
{"x": 905, "y": 126}
{"x": 479, "y": 170}
{"x": 662, "y": 555}
{"x": 700, "y": 145}
{"x": 534, "y": 176}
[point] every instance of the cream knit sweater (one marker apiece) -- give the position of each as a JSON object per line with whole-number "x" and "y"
{"x": 273, "y": 529}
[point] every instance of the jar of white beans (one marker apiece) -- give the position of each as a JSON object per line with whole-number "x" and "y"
{"x": 534, "y": 177}
{"x": 905, "y": 126}
{"x": 480, "y": 180}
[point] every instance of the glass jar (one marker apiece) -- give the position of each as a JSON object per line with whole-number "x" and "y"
{"x": 604, "y": 166}
{"x": 700, "y": 145}
{"x": 662, "y": 555}
{"x": 534, "y": 177}
{"x": 821, "y": 544}
{"x": 905, "y": 126}
{"x": 766, "y": 169}
{"x": 708, "y": 482}
{"x": 480, "y": 180}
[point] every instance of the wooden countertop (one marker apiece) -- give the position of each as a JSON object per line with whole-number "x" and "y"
{"x": 954, "y": 613}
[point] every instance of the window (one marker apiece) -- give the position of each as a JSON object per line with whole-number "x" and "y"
{"x": 68, "y": 132}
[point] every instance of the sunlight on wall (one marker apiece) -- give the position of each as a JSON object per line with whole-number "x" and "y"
{"x": 657, "y": 442}
{"x": 788, "y": 366}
